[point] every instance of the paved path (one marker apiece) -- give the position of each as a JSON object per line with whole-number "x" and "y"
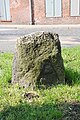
{"x": 69, "y": 34}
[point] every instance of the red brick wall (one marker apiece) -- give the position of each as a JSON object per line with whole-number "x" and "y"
{"x": 66, "y": 8}
{"x": 19, "y": 11}
{"x": 40, "y": 16}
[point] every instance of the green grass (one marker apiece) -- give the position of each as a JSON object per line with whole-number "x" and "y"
{"x": 71, "y": 58}
{"x": 49, "y": 106}
{"x": 52, "y": 104}
{"x": 5, "y": 67}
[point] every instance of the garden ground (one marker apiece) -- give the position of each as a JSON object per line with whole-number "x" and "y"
{"x": 61, "y": 102}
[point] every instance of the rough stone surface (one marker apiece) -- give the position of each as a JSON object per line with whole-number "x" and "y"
{"x": 38, "y": 60}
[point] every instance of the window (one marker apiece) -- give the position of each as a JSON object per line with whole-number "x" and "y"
{"x": 75, "y": 7}
{"x": 53, "y": 8}
{"x": 4, "y": 10}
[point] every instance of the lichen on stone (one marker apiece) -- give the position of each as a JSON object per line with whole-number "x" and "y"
{"x": 38, "y": 60}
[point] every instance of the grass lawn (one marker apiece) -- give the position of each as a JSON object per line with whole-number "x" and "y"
{"x": 61, "y": 102}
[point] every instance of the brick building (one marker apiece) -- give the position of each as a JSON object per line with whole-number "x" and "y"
{"x": 40, "y": 11}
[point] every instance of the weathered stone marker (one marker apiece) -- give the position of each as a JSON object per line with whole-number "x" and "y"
{"x": 38, "y": 60}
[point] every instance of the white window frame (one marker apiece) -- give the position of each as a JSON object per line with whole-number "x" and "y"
{"x": 52, "y": 10}
{"x": 75, "y": 8}
{"x": 5, "y": 10}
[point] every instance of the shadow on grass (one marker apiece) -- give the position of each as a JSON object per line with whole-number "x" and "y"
{"x": 62, "y": 111}
{"x": 31, "y": 112}
{"x": 71, "y": 111}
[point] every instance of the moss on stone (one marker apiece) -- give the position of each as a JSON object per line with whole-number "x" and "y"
{"x": 38, "y": 60}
